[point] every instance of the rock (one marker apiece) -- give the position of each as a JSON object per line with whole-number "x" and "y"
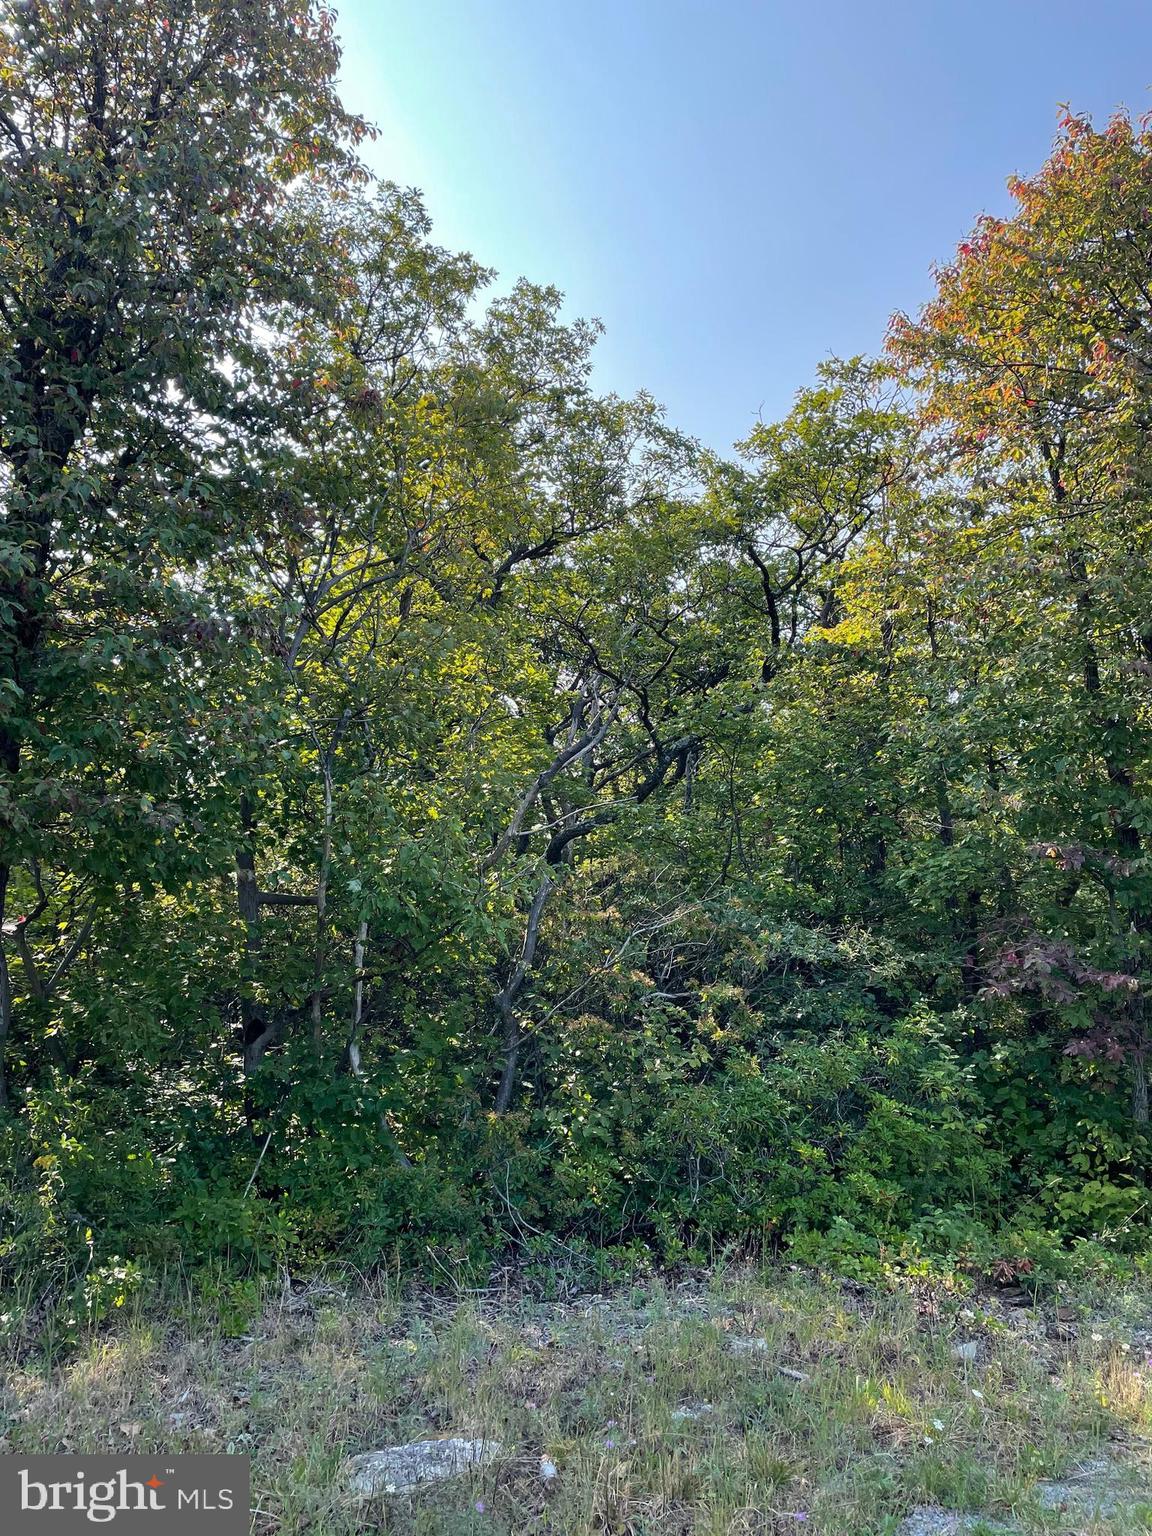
{"x": 1096, "y": 1489}
{"x": 1026, "y": 1325}
{"x": 931, "y": 1520}
{"x": 400, "y": 1468}
{"x": 548, "y": 1469}
{"x": 967, "y": 1350}
{"x": 691, "y": 1411}
{"x": 760, "y": 1347}
{"x": 748, "y": 1346}
{"x": 1015, "y": 1297}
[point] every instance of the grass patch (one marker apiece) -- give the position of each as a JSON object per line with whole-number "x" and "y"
{"x": 752, "y": 1402}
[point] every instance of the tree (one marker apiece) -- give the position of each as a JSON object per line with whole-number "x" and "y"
{"x": 1034, "y": 362}
{"x": 145, "y": 170}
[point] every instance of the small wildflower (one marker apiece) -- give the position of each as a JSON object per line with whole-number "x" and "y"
{"x": 938, "y": 1424}
{"x": 609, "y": 1445}
{"x": 928, "y": 1440}
{"x": 977, "y": 1394}
{"x": 480, "y": 1506}
{"x": 1097, "y": 1338}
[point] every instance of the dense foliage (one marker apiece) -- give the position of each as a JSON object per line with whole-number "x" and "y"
{"x": 443, "y": 807}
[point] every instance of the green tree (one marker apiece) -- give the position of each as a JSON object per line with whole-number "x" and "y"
{"x": 145, "y": 169}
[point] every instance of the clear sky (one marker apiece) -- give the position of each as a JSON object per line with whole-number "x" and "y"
{"x": 736, "y": 188}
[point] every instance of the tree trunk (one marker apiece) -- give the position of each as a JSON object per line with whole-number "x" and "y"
{"x": 509, "y": 994}
{"x": 5, "y": 992}
{"x": 350, "y": 1062}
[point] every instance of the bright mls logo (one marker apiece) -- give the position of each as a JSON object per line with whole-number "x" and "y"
{"x": 60, "y": 1495}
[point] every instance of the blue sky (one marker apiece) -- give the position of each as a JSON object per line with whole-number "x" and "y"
{"x": 735, "y": 188}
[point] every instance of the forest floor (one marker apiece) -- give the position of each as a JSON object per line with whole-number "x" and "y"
{"x": 751, "y": 1402}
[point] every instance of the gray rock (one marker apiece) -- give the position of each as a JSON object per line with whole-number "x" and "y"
{"x": 760, "y": 1347}
{"x": 748, "y": 1346}
{"x": 968, "y": 1350}
{"x": 691, "y": 1411}
{"x": 401, "y": 1468}
{"x": 931, "y": 1520}
{"x": 1096, "y": 1488}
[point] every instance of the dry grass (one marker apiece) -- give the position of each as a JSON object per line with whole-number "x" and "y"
{"x": 887, "y": 1417}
